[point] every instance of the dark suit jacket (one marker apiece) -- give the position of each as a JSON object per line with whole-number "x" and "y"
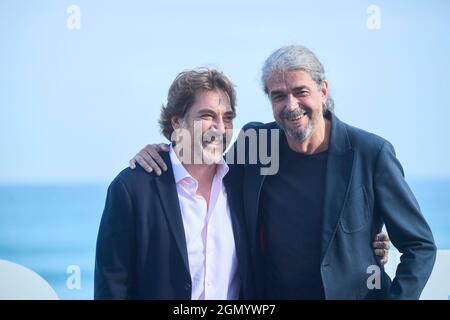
{"x": 141, "y": 247}
{"x": 365, "y": 188}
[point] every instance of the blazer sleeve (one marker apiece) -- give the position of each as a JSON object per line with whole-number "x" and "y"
{"x": 115, "y": 246}
{"x": 407, "y": 228}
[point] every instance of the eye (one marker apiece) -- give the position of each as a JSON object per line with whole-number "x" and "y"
{"x": 228, "y": 118}
{"x": 301, "y": 93}
{"x": 206, "y": 117}
{"x": 278, "y": 97}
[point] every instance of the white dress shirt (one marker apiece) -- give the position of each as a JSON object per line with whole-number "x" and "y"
{"x": 209, "y": 235}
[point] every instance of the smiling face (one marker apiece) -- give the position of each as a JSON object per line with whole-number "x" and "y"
{"x": 297, "y": 103}
{"x": 211, "y": 116}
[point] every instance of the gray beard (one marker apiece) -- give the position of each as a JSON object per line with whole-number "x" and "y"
{"x": 300, "y": 135}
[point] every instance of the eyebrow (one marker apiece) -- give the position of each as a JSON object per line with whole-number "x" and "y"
{"x": 210, "y": 111}
{"x": 302, "y": 87}
{"x": 206, "y": 110}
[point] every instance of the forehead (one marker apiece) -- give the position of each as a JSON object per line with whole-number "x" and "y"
{"x": 216, "y": 99}
{"x": 283, "y": 81}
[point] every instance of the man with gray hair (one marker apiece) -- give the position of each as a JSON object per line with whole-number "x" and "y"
{"x": 310, "y": 225}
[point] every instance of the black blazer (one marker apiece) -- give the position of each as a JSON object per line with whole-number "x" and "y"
{"x": 365, "y": 188}
{"x": 141, "y": 247}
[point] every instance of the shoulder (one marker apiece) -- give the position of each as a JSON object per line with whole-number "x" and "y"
{"x": 260, "y": 125}
{"x": 139, "y": 175}
{"x": 363, "y": 140}
{"x": 134, "y": 180}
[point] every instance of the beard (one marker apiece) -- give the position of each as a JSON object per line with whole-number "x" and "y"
{"x": 211, "y": 153}
{"x": 214, "y": 145}
{"x": 298, "y": 133}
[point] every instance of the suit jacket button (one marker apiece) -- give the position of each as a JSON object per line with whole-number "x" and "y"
{"x": 187, "y": 286}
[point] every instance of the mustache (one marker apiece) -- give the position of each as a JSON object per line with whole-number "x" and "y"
{"x": 216, "y": 137}
{"x": 293, "y": 114}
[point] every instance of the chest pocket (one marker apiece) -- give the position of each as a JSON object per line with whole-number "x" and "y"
{"x": 355, "y": 215}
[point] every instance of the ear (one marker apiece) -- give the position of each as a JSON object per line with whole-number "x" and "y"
{"x": 176, "y": 123}
{"x": 324, "y": 91}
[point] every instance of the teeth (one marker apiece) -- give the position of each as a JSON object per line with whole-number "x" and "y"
{"x": 296, "y": 118}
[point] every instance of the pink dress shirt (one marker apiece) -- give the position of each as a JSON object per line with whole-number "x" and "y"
{"x": 209, "y": 235}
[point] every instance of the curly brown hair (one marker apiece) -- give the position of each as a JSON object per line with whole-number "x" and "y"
{"x": 183, "y": 90}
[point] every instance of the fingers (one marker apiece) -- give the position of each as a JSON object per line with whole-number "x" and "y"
{"x": 143, "y": 162}
{"x": 132, "y": 164}
{"x": 154, "y": 155}
{"x": 156, "y": 147}
{"x": 151, "y": 163}
{"x": 150, "y": 153}
{"x": 149, "y": 158}
{"x": 382, "y": 253}
{"x": 382, "y": 237}
{"x": 164, "y": 147}
{"x": 381, "y": 245}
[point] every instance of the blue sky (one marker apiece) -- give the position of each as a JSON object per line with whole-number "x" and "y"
{"x": 76, "y": 105}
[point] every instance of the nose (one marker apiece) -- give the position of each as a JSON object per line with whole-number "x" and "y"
{"x": 219, "y": 125}
{"x": 291, "y": 102}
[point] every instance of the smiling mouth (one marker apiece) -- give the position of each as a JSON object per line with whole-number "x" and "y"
{"x": 294, "y": 115}
{"x": 297, "y": 116}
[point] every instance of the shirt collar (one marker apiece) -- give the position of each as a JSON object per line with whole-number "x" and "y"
{"x": 179, "y": 171}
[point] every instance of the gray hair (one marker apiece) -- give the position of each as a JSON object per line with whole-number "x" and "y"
{"x": 292, "y": 58}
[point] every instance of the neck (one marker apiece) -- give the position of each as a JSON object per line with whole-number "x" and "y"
{"x": 317, "y": 142}
{"x": 203, "y": 173}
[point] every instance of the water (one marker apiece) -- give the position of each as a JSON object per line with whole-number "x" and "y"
{"x": 50, "y": 227}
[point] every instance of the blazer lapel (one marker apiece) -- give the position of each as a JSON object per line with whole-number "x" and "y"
{"x": 167, "y": 190}
{"x": 253, "y": 182}
{"x": 234, "y": 199}
{"x": 338, "y": 177}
